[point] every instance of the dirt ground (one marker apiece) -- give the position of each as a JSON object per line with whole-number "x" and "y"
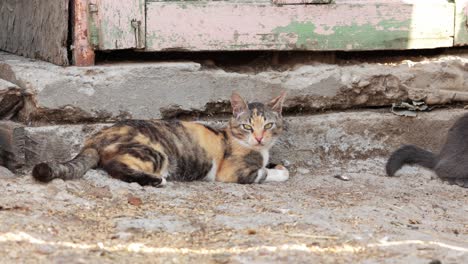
{"x": 312, "y": 218}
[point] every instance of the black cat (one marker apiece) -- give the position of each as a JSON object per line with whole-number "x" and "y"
{"x": 452, "y": 162}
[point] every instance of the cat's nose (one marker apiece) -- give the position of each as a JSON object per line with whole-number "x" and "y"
{"x": 259, "y": 139}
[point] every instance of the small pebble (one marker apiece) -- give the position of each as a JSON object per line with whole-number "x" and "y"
{"x": 286, "y": 163}
{"x": 125, "y": 236}
{"x": 281, "y": 211}
{"x": 45, "y": 249}
{"x": 133, "y": 200}
{"x": 342, "y": 177}
{"x": 301, "y": 170}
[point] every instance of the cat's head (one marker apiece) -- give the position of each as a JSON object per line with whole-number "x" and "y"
{"x": 255, "y": 124}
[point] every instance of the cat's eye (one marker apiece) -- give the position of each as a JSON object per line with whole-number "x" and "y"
{"x": 247, "y": 127}
{"x": 268, "y": 126}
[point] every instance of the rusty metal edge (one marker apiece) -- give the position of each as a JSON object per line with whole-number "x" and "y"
{"x": 83, "y": 53}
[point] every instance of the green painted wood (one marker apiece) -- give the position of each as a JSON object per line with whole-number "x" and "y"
{"x": 117, "y": 24}
{"x": 343, "y": 25}
{"x": 461, "y": 23}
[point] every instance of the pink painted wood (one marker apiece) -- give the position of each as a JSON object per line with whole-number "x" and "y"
{"x": 345, "y": 25}
{"x": 300, "y": 2}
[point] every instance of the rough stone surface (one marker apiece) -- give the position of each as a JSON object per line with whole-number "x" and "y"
{"x": 310, "y": 142}
{"x": 12, "y": 145}
{"x": 5, "y": 173}
{"x": 154, "y": 90}
{"x": 11, "y": 99}
{"x": 165, "y": 223}
{"x": 312, "y": 217}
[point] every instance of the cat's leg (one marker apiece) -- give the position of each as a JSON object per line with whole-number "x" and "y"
{"x": 253, "y": 174}
{"x": 278, "y": 174}
{"x": 451, "y": 168}
{"x": 454, "y": 171}
{"x": 123, "y": 172}
{"x": 139, "y": 163}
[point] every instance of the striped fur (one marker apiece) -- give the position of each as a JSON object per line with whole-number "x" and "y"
{"x": 149, "y": 152}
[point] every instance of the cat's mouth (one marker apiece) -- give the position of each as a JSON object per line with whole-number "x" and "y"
{"x": 261, "y": 144}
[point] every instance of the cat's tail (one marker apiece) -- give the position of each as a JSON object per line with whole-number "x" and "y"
{"x": 410, "y": 154}
{"x": 73, "y": 169}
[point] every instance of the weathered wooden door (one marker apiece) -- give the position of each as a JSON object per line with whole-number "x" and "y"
{"x": 298, "y": 24}
{"x": 162, "y": 25}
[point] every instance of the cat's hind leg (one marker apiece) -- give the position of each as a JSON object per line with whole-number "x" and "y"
{"x": 124, "y": 172}
{"x": 453, "y": 170}
{"x": 139, "y": 163}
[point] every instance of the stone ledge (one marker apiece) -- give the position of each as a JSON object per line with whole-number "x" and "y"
{"x": 155, "y": 90}
{"x": 12, "y": 145}
{"x": 311, "y": 141}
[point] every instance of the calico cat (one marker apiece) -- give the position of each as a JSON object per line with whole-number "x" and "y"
{"x": 452, "y": 162}
{"x": 149, "y": 152}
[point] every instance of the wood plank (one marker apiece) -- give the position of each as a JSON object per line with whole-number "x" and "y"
{"x": 344, "y": 25}
{"x": 35, "y": 29}
{"x": 114, "y": 24}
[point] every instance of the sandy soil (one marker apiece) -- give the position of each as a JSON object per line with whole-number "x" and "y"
{"x": 312, "y": 218}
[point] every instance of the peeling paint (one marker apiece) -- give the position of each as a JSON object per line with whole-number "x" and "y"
{"x": 386, "y": 34}
{"x": 344, "y": 25}
{"x": 114, "y": 22}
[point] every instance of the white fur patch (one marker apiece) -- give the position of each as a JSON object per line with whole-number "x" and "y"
{"x": 163, "y": 182}
{"x": 211, "y": 176}
{"x": 260, "y": 175}
{"x": 266, "y": 156}
{"x": 275, "y": 175}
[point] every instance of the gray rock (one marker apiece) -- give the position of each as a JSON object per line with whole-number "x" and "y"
{"x": 154, "y": 90}
{"x": 327, "y": 140}
{"x": 6, "y": 173}
{"x": 11, "y": 98}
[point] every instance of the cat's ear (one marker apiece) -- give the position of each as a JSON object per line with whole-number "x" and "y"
{"x": 238, "y": 104}
{"x": 276, "y": 104}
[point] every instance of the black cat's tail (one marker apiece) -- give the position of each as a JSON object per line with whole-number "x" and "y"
{"x": 73, "y": 169}
{"x": 410, "y": 154}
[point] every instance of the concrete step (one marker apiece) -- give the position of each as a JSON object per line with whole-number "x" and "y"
{"x": 106, "y": 93}
{"x": 311, "y": 142}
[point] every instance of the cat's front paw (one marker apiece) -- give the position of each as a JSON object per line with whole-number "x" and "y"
{"x": 278, "y": 174}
